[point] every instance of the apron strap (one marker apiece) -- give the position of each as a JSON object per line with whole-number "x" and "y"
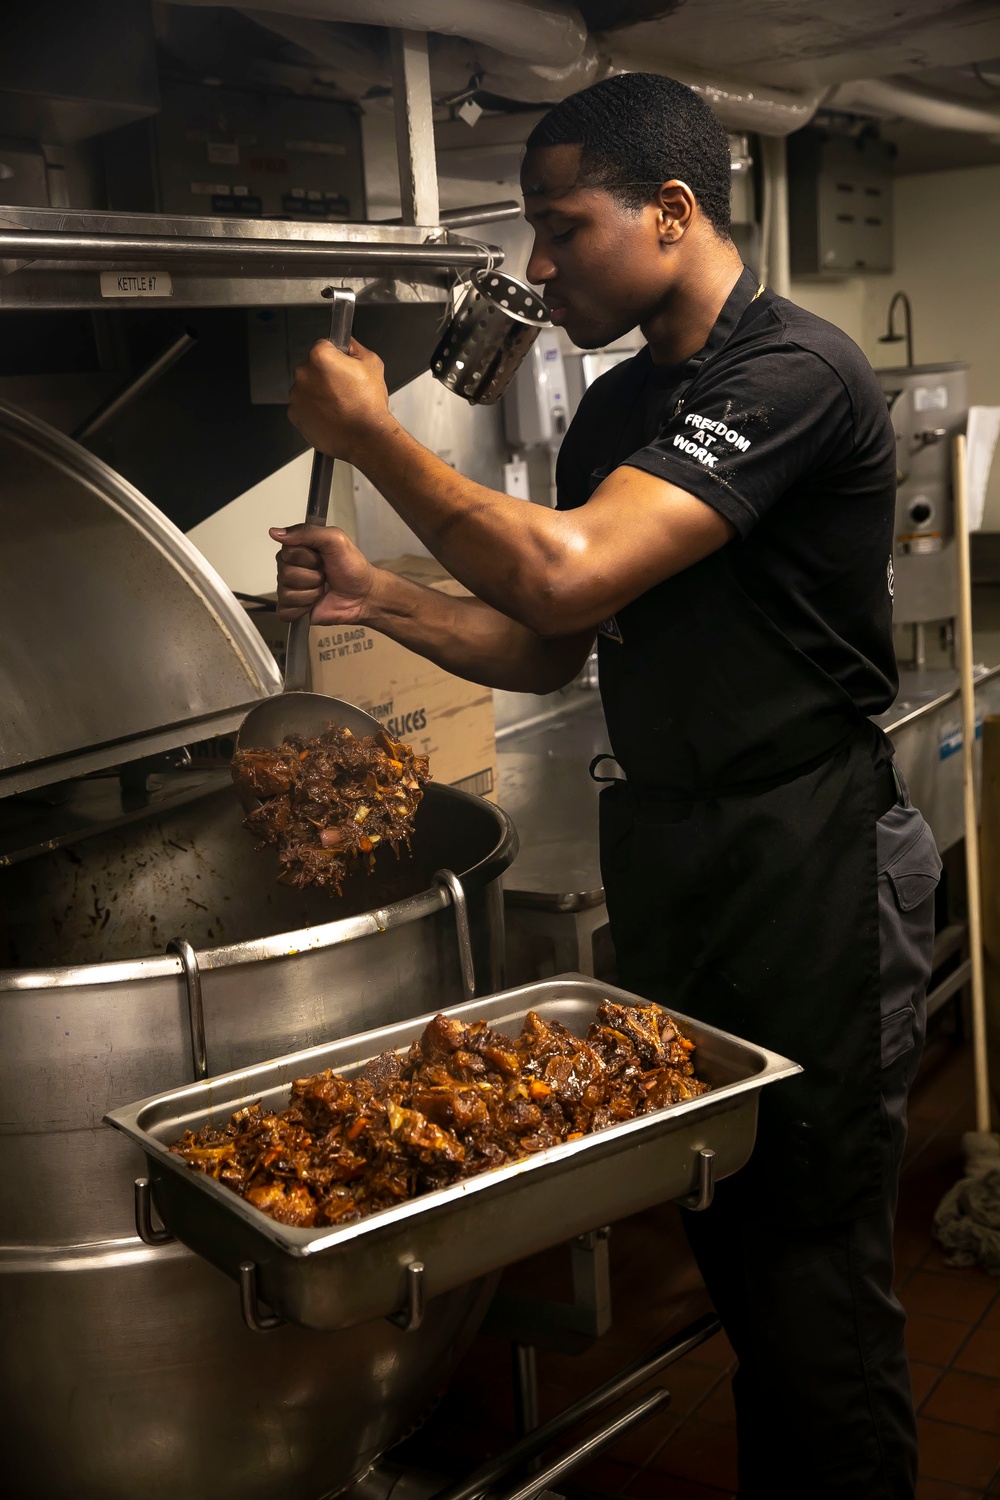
{"x": 746, "y": 290}
{"x": 599, "y": 760}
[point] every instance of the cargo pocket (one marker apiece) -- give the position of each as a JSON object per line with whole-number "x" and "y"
{"x": 898, "y": 1031}
{"x": 909, "y": 870}
{"x": 907, "y": 855}
{"x": 914, "y": 884}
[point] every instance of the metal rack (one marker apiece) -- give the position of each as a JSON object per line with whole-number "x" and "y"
{"x": 58, "y": 259}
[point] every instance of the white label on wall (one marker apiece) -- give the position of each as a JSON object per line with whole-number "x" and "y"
{"x": 224, "y": 153}
{"x": 136, "y": 284}
{"x": 317, "y": 148}
{"x": 930, "y": 397}
{"x": 515, "y": 480}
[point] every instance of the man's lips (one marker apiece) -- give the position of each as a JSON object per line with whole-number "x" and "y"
{"x": 557, "y": 312}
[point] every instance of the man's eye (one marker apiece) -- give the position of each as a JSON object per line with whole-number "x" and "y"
{"x": 561, "y": 239}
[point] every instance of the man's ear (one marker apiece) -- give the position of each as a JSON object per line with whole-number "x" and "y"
{"x": 676, "y": 209}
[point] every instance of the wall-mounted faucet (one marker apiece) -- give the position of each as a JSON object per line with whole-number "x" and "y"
{"x": 891, "y": 336}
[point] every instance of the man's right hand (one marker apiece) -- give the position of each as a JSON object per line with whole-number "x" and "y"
{"x": 321, "y": 571}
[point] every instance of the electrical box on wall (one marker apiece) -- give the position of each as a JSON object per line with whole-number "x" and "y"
{"x": 536, "y": 408}
{"x": 241, "y": 153}
{"x": 839, "y": 203}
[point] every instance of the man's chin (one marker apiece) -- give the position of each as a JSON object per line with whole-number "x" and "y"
{"x": 589, "y": 336}
{"x": 584, "y": 337}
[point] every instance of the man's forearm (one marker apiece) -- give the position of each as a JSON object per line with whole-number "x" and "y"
{"x": 506, "y": 551}
{"x": 467, "y": 637}
{"x": 556, "y": 572}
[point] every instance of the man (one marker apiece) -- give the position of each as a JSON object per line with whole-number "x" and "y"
{"x": 724, "y": 523}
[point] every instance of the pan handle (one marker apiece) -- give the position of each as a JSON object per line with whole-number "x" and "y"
{"x": 144, "y": 1226}
{"x": 450, "y": 882}
{"x": 408, "y": 1319}
{"x": 318, "y": 504}
{"x": 704, "y": 1193}
{"x": 256, "y": 1320}
{"x": 411, "y": 1316}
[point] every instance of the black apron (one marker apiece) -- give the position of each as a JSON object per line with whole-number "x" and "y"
{"x": 739, "y": 858}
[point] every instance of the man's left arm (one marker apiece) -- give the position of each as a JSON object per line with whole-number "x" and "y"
{"x": 557, "y": 572}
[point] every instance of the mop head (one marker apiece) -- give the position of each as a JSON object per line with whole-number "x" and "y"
{"x": 967, "y": 1221}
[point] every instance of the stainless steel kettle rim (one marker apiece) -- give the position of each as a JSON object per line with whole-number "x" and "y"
{"x": 297, "y": 938}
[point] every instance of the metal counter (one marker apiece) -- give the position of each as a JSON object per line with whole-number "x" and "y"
{"x": 553, "y": 891}
{"x": 925, "y": 725}
{"x": 546, "y": 788}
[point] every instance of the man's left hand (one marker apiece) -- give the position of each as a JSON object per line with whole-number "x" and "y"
{"x": 339, "y": 402}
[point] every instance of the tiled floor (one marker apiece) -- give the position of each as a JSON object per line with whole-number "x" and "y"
{"x": 688, "y": 1451}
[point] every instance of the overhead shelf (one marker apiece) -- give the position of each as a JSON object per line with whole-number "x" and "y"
{"x": 62, "y": 259}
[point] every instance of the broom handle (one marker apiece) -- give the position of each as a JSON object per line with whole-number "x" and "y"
{"x": 979, "y": 1044}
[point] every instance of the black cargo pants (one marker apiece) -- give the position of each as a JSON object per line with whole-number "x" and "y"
{"x": 823, "y": 1400}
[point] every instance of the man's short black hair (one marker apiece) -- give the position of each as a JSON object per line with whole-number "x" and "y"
{"x": 642, "y": 129}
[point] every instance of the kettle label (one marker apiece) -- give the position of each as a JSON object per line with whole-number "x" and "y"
{"x": 930, "y": 398}
{"x": 136, "y": 284}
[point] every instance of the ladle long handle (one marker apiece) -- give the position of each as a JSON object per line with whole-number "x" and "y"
{"x": 318, "y": 505}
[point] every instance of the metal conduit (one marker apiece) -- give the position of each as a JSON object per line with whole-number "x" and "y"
{"x": 121, "y": 399}
{"x": 639, "y": 1411}
{"x": 622, "y": 1384}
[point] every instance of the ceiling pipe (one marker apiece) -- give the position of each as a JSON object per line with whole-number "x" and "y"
{"x": 355, "y": 62}
{"x": 740, "y": 106}
{"x": 538, "y": 51}
{"x": 550, "y": 33}
{"x": 518, "y": 49}
{"x": 906, "y": 99}
{"x": 455, "y": 60}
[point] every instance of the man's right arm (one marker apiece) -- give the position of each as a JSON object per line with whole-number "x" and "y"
{"x": 471, "y": 639}
{"x": 322, "y": 571}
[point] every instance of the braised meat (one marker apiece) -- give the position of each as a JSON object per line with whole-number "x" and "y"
{"x": 331, "y": 801}
{"x": 461, "y": 1100}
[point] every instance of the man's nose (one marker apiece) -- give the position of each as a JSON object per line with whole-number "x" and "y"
{"x": 540, "y": 269}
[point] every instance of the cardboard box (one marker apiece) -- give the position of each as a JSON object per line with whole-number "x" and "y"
{"x": 440, "y": 716}
{"x": 274, "y": 631}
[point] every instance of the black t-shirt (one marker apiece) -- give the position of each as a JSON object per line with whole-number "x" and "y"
{"x": 765, "y": 655}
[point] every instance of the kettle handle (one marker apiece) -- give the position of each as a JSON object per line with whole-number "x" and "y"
{"x": 452, "y": 886}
